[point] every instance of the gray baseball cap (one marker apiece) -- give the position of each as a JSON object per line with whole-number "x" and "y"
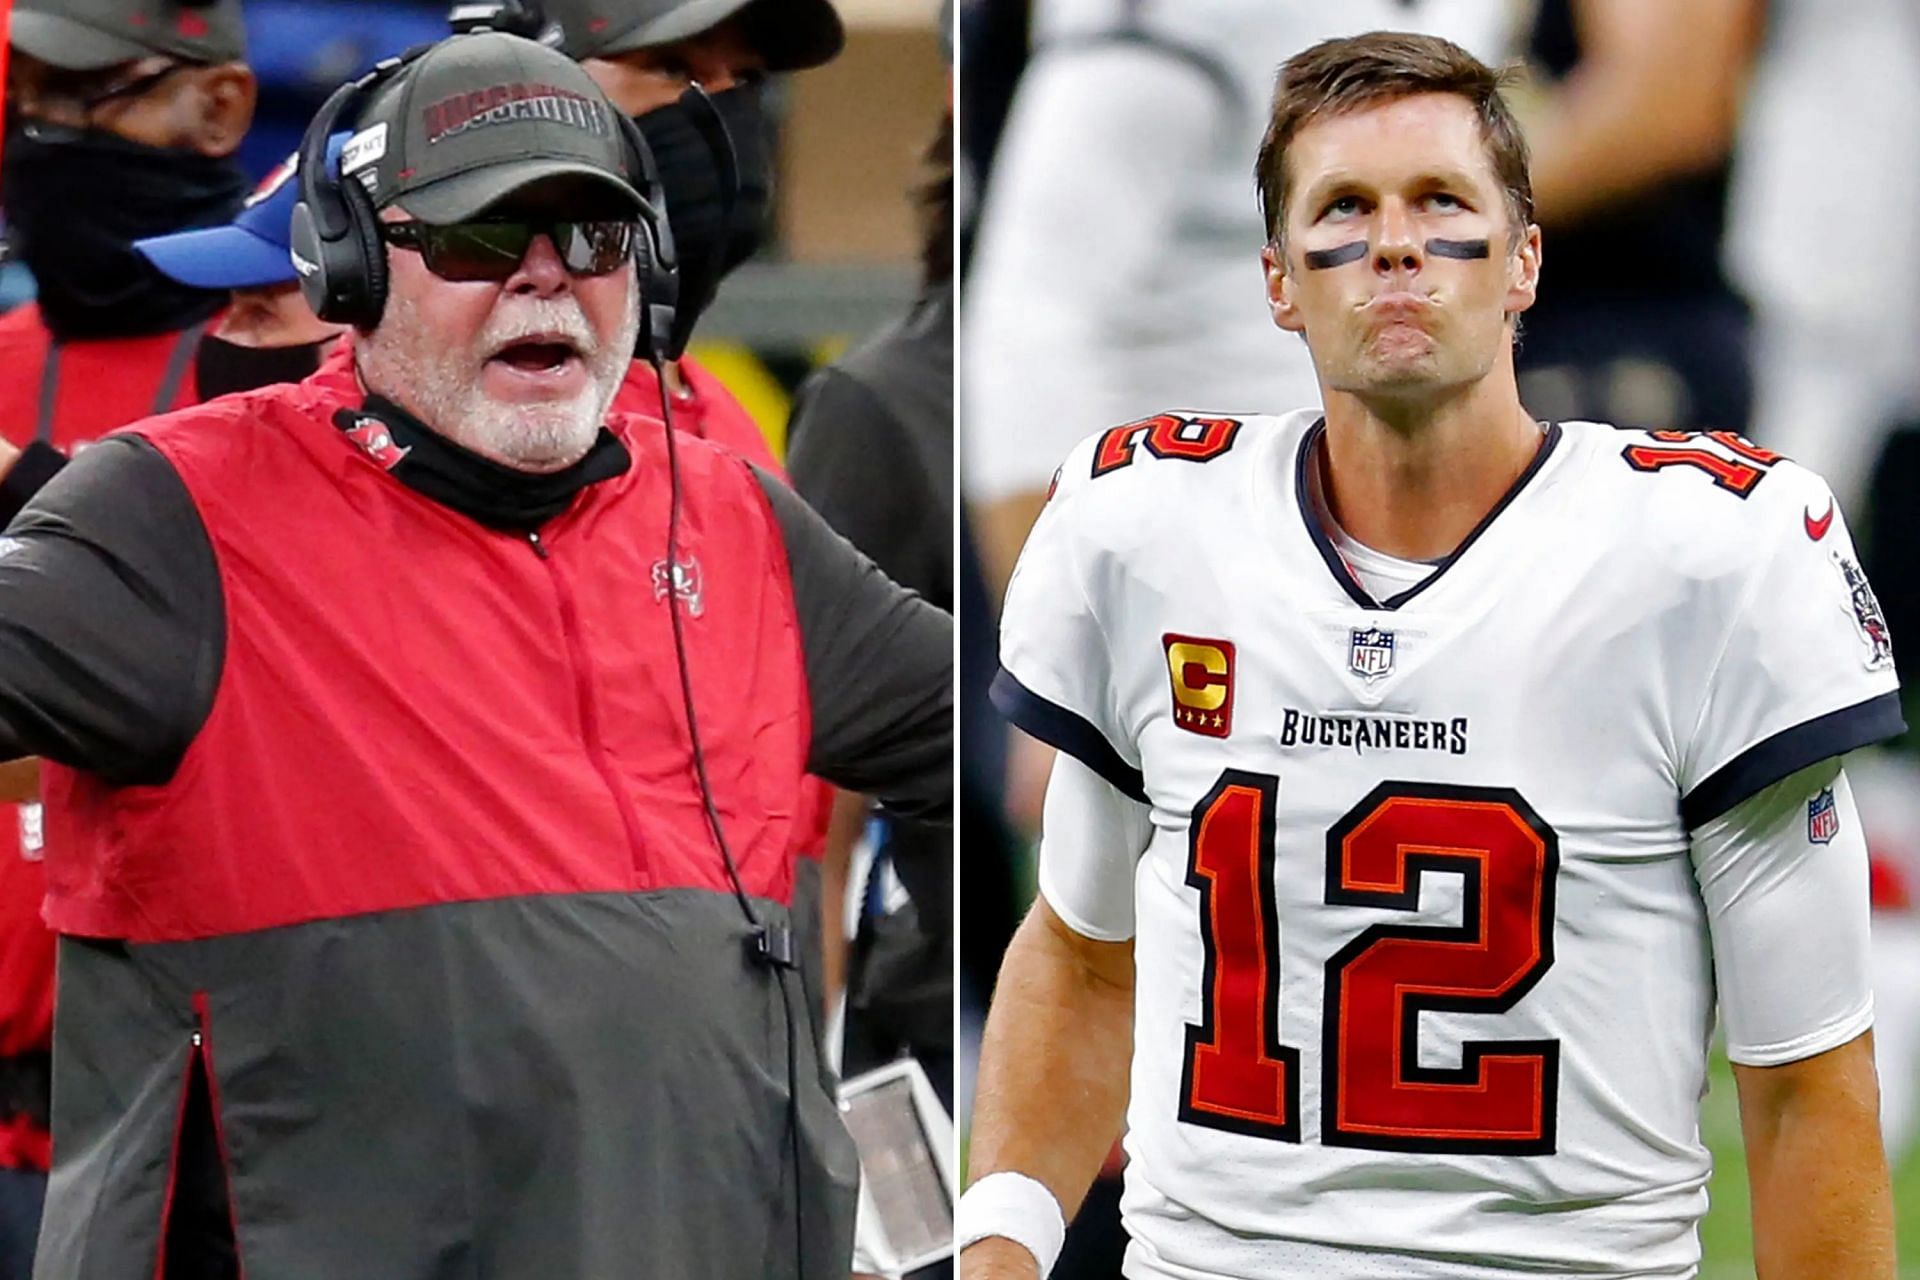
{"x": 790, "y": 34}
{"x": 87, "y": 35}
{"x": 477, "y": 118}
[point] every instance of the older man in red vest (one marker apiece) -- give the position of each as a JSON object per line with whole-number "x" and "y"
{"x": 425, "y": 761}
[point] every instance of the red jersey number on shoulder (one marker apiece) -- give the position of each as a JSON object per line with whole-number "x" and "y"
{"x": 1738, "y": 475}
{"x": 1165, "y": 435}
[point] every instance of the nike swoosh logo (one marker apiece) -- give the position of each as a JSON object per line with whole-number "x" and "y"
{"x": 1817, "y": 529}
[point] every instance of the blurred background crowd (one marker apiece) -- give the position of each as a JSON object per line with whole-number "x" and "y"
{"x": 1731, "y": 242}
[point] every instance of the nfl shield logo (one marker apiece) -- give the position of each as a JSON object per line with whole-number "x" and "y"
{"x": 1370, "y": 655}
{"x": 1823, "y": 819}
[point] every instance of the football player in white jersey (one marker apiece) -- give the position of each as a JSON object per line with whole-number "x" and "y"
{"x": 1429, "y": 777}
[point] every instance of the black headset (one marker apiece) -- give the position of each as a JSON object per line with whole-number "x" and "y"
{"x": 335, "y": 234}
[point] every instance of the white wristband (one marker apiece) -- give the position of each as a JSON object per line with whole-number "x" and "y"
{"x": 1019, "y": 1208}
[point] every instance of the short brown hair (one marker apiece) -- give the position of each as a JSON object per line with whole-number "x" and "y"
{"x": 1352, "y": 72}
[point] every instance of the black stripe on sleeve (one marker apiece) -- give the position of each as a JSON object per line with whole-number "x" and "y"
{"x": 1788, "y": 752}
{"x": 1060, "y": 728}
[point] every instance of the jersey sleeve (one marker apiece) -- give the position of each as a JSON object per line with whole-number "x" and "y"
{"x": 1806, "y": 669}
{"x": 1056, "y": 678}
{"x": 1090, "y": 839}
{"x": 1784, "y": 878}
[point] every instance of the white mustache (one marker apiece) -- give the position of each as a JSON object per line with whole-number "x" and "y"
{"x": 545, "y": 319}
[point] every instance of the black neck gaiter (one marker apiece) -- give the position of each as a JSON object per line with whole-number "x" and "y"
{"x": 715, "y": 162}
{"x": 222, "y": 368}
{"x": 74, "y": 208}
{"x": 481, "y": 489}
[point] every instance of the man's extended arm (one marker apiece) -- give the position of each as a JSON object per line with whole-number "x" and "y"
{"x": 879, "y": 669}
{"x": 1052, "y": 1089}
{"x": 1656, "y": 96}
{"x": 1821, "y": 1204}
{"x": 112, "y": 625}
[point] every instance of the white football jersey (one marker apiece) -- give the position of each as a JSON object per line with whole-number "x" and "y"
{"x": 1424, "y": 967}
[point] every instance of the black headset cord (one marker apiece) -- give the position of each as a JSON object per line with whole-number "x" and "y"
{"x": 772, "y": 946}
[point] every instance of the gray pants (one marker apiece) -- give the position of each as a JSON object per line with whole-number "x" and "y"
{"x": 22, "y": 1193}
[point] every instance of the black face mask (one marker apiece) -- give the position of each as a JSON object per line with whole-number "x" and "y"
{"x": 74, "y": 208}
{"x": 481, "y": 489}
{"x": 716, "y": 164}
{"x": 221, "y": 368}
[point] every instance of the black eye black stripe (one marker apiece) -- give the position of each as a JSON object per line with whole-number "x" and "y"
{"x": 1321, "y": 259}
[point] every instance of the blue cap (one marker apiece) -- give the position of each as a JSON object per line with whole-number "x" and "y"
{"x": 251, "y": 251}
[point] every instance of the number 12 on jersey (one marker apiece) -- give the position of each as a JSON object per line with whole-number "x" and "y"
{"x": 1237, "y": 1074}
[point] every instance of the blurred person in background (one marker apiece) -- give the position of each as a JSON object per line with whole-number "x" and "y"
{"x": 1632, "y": 134}
{"x": 691, "y": 74}
{"x": 123, "y": 119}
{"x": 1836, "y": 321}
{"x": 267, "y": 333}
{"x": 872, "y": 451}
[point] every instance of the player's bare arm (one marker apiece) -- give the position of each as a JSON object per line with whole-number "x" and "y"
{"x": 1821, "y": 1204}
{"x": 1052, "y": 1093}
{"x": 1655, "y": 96}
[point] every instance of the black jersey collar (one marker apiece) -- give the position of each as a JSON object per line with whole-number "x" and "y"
{"x": 1303, "y": 499}
{"x": 481, "y": 489}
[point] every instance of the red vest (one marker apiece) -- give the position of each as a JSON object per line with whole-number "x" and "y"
{"x": 94, "y": 387}
{"x": 414, "y": 709}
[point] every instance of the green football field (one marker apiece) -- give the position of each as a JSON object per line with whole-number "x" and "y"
{"x": 1726, "y": 1240}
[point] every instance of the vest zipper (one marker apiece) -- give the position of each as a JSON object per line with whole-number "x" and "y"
{"x": 199, "y": 1060}
{"x": 589, "y": 709}
{"x": 173, "y": 1154}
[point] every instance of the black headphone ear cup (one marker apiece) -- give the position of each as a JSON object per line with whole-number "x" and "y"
{"x": 654, "y": 256}
{"x": 309, "y": 254}
{"x": 368, "y": 297}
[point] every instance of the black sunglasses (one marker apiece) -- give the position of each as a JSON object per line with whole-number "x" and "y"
{"x": 494, "y": 250}
{"x": 67, "y": 103}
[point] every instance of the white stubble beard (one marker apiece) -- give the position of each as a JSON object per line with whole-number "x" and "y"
{"x": 404, "y": 361}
